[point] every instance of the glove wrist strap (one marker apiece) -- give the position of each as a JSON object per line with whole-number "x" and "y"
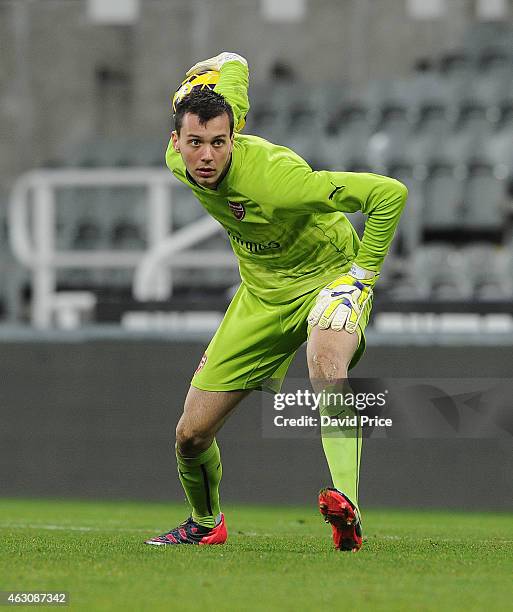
{"x": 227, "y": 56}
{"x": 361, "y": 273}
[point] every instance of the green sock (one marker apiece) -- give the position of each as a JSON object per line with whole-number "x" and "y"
{"x": 200, "y": 477}
{"x": 342, "y": 446}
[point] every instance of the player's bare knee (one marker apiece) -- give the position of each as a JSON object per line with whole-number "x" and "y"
{"x": 326, "y": 365}
{"x": 190, "y": 441}
{"x": 191, "y": 444}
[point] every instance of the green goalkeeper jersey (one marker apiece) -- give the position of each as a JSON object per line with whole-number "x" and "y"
{"x": 285, "y": 222}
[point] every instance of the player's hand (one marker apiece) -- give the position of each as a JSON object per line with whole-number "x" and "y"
{"x": 340, "y": 304}
{"x": 215, "y": 63}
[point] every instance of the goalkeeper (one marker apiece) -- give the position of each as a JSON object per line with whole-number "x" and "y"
{"x": 305, "y": 276}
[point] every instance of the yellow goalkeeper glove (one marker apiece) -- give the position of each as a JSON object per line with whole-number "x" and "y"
{"x": 215, "y": 63}
{"x": 340, "y": 304}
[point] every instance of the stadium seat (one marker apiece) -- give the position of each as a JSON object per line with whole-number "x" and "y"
{"x": 487, "y": 268}
{"x": 266, "y": 122}
{"x": 429, "y": 88}
{"x": 393, "y": 117}
{"x": 484, "y": 197}
{"x": 67, "y": 214}
{"x": 473, "y": 127}
{"x": 388, "y": 93}
{"x": 125, "y": 203}
{"x": 492, "y": 80}
{"x": 268, "y": 115}
{"x": 439, "y": 269}
{"x": 88, "y": 235}
{"x": 125, "y": 234}
{"x": 429, "y": 134}
{"x": 97, "y": 219}
{"x": 505, "y": 120}
{"x": 377, "y": 93}
{"x": 456, "y": 64}
{"x": 475, "y": 118}
{"x": 392, "y": 134}
{"x": 435, "y": 273}
{"x": 78, "y": 227}
{"x": 327, "y": 96}
{"x": 347, "y": 133}
{"x": 304, "y": 124}
{"x": 350, "y": 116}
{"x": 498, "y": 148}
{"x": 456, "y": 75}
{"x": 442, "y": 197}
{"x": 332, "y": 153}
{"x": 410, "y": 225}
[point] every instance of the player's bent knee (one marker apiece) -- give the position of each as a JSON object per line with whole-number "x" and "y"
{"x": 326, "y": 365}
{"x": 190, "y": 441}
{"x": 192, "y": 444}
{"x": 329, "y": 353}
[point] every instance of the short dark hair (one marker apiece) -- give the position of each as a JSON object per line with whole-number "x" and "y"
{"x": 204, "y": 103}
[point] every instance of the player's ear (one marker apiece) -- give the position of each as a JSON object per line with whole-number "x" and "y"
{"x": 174, "y": 138}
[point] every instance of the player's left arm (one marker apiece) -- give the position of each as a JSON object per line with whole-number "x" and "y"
{"x": 286, "y": 185}
{"x": 341, "y": 303}
{"x": 382, "y": 199}
{"x": 291, "y": 187}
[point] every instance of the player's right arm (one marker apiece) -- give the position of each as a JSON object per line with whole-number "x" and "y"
{"x": 233, "y": 82}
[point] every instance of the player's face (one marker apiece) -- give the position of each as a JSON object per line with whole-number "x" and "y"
{"x": 205, "y": 149}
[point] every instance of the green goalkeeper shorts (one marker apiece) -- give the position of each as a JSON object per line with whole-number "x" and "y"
{"x": 256, "y": 342}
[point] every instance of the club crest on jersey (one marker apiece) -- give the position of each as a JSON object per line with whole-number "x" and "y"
{"x": 238, "y": 210}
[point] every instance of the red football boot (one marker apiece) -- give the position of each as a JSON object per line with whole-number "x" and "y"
{"x": 190, "y": 532}
{"x": 343, "y": 517}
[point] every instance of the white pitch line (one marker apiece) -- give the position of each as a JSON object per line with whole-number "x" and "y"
{"x": 120, "y": 529}
{"x": 250, "y": 534}
{"x": 67, "y": 527}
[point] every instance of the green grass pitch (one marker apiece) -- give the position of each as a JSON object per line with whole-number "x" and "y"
{"x": 276, "y": 558}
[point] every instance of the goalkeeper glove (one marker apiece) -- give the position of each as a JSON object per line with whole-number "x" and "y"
{"x": 340, "y": 304}
{"x": 215, "y": 63}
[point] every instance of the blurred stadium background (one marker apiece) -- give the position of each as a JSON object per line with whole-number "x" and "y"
{"x": 112, "y": 279}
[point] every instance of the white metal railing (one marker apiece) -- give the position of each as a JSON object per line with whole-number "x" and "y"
{"x": 33, "y": 244}
{"x": 150, "y": 268}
